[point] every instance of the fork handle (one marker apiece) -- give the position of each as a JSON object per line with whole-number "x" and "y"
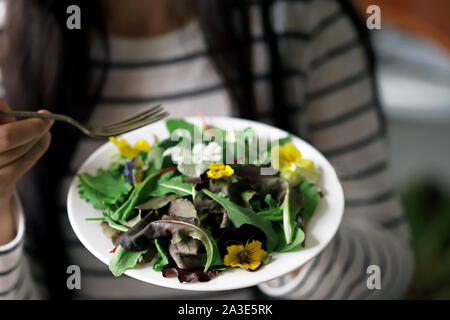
{"x": 31, "y": 114}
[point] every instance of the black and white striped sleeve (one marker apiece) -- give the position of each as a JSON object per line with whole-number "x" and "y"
{"x": 345, "y": 124}
{"x": 15, "y": 276}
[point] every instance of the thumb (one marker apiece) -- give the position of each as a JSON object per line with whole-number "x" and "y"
{"x": 5, "y": 107}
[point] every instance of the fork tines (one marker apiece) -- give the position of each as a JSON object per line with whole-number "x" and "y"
{"x": 135, "y": 122}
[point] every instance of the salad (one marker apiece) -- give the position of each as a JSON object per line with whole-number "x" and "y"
{"x": 202, "y": 201}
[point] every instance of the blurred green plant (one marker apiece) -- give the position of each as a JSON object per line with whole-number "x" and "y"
{"x": 428, "y": 211}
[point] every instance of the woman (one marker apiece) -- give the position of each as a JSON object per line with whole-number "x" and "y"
{"x": 304, "y": 66}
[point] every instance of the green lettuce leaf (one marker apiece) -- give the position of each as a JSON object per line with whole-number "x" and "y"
{"x": 168, "y": 183}
{"x": 174, "y": 124}
{"x": 123, "y": 260}
{"x": 275, "y": 214}
{"x": 291, "y": 206}
{"x": 271, "y": 202}
{"x": 216, "y": 260}
{"x": 138, "y": 196}
{"x": 163, "y": 259}
{"x": 105, "y": 189}
{"x": 240, "y": 215}
{"x": 115, "y": 225}
{"x": 311, "y": 199}
{"x": 296, "y": 243}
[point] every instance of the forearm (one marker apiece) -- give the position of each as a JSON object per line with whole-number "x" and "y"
{"x": 7, "y": 225}
{"x": 15, "y": 275}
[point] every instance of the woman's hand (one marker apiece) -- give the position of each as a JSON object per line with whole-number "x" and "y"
{"x": 22, "y": 144}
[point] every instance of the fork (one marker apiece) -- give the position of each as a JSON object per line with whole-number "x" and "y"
{"x": 109, "y": 130}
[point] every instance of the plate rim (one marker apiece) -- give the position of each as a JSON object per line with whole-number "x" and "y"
{"x": 165, "y": 282}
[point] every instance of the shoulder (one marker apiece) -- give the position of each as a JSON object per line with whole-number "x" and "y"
{"x": 308, "y": 21}
{"x": 314, "y": 27}
{"x": 301, "y": 15}
{"x": 305, "y": 19}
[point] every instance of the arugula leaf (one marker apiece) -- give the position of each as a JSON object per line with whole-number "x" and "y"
{"x": 113, "y": 224}
{"x": 167, "y": 183}
{"x": 240, "y": 215}
{"x": 267, "y": 260}
{"x": 174, "y": 124}
{"x": 291, "y": 206}
{"x": 138, "y": 196}
{"x": 123, "y": 260}
{"x": 167, "y": 143}
{"x": 311, "y": 199}
{"x": 296, "y": 243}
{"x": 105, "y": 189}
{"x": 163, "y": 260}
{"x": 274, "y": 214}
{"x": 216, "y": 259}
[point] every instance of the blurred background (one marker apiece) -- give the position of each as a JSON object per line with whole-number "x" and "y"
{"x": 413, "y": 54}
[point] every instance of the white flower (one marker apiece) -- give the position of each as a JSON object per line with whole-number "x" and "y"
{"x": 193, "y": 163}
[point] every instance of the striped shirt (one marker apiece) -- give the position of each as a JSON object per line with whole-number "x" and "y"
{"x": 332, "y": 104}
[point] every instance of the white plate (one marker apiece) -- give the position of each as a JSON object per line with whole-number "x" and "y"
{"x": 319, "y": 233}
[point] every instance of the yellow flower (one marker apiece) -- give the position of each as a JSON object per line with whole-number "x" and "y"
{"x": 285, "y": 157}
{"x": 128, "y": 151}
{"x": 139, "y": 174}
{"x": 248, "y": 257}
{"x": 217, "y": 171}
{"x": 142, "y": 146}
{"x": 288, "y": 160}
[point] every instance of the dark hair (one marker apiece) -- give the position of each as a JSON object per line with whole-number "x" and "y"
{"x": 46, "y": 65}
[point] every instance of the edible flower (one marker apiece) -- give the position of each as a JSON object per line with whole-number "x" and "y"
{"x": 243, "y": 247}
{"x": 292, "y": 166}
{"x": 218, "y": 171}
{"x": 128, "y": 151}
{"x": 248, "y": 257}
{"x": 193, "y": 163}
{"x": 134, "y": 171}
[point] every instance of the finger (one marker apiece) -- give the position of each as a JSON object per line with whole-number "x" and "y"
{"x": 15, "y": 134}
{"x": 12, "y": 155}
{"x": 13, "y": 172}
{"x": 5, "y": 107}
